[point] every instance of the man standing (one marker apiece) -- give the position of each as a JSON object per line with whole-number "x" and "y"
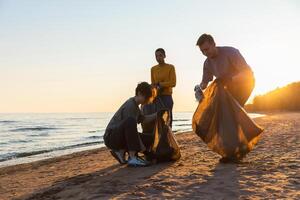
{"x": 228, "y": 66}
{"x": 163, "y": 77}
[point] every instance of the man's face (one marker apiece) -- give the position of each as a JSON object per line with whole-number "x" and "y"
{"x": 160, "y": 57}
{"x": 142, "y": 99}
{"x": 208, "y": 49}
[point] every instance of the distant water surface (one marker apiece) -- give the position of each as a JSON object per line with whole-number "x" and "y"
{"x": 30, "y": 137}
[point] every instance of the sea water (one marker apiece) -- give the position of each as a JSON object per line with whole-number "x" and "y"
{"x": 29, "y": 137}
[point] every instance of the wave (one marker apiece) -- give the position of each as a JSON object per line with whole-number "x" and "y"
{"x": 95, "y": 137}
{"x": 19, "y": 141}
{"x": 39, "y": 128}
{"x": 77, "y": 118}
{"x": 182, "y": 130}
{"x": 80, "y": 118}
{"x": 181, "y": 120}
{"x": 95, "y": 131}
{"x": 183, "y": 125}
{"x": 7, "y": 121}
{"x": 43, "y": 134}
{"x": 1, "y": 143}
{"x": 11, "y": 156}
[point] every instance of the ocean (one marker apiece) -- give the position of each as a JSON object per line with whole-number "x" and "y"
{"x": 30, "y": 137}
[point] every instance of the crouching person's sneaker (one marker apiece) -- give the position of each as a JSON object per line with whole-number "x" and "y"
{"x": 137, "y": 162}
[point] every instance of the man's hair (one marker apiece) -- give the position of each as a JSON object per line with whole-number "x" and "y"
{"x": 205, "y": 37}
{"x": 145, "y": 89}
{"x": 161, "y": 50}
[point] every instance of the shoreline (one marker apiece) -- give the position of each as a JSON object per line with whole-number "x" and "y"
{"x": 48, "y": 154}
{"x": 55, "y": 154}
{"x": 62, "y": 157}
{"x": 94, "y": 174}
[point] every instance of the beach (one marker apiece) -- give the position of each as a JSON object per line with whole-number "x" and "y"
{"x": 270, "y": 171}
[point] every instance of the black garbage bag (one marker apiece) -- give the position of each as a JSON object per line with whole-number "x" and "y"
{"x": 165, "y": 146}
{"x": 148, "y": 128}
{"x": 223, "y": 124}
{"x": 158, "y": 137}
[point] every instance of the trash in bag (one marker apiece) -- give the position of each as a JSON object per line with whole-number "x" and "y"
{"x": 158, "y": 137}
{"x": 223, "y": 124}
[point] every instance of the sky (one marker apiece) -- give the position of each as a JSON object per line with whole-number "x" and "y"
{"x": 88, "y": 56}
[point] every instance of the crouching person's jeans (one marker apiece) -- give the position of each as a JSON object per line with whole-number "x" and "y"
{"x": 124, "y": 136}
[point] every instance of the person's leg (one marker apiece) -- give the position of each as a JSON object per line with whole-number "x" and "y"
{"x": 241, "y": 92}
{"x": 114, "y": 139}
{"x": 168, "y": 103}
{"x": 134, "y": 143}
{"x": 125, "y": 137}
{"x": 132, "y": 136}
{"x": 245, "y": 95}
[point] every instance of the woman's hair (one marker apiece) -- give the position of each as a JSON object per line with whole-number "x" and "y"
{"x": 205, "y": 37}
{"x": 145, "y": 89}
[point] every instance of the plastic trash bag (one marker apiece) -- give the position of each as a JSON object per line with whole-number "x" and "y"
{"x": 158, "y": 136}
{"x": 223, "y": 124}
{"x": 165, "y": 146}
{"x": 151, "y": 108}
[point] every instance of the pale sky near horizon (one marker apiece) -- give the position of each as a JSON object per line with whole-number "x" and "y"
{"x": 88, "y": 56}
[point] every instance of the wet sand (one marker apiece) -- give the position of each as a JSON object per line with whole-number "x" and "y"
{"x": 270, "y": 171}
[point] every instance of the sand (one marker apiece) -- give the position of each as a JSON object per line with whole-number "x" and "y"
{"x": 270, "y": 171}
